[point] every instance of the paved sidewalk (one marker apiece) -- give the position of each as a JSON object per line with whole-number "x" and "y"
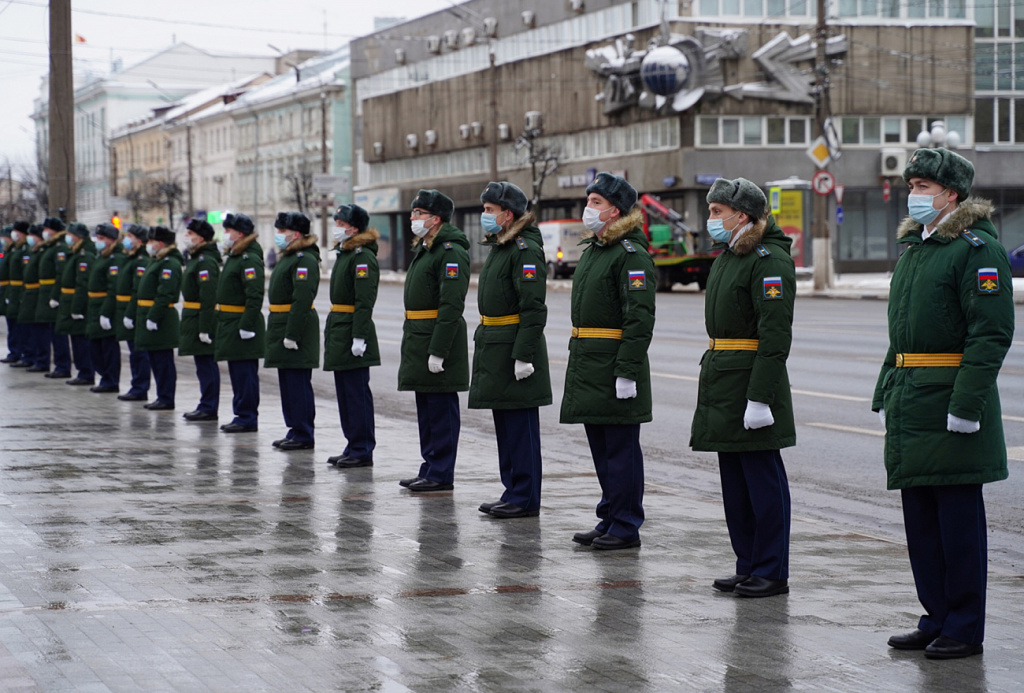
{"x": 141, "y": 552}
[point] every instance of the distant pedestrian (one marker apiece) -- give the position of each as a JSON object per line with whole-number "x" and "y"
{"x": 99, "y": 325}
{"x": 156, "y": 320}
{"x": 199, "y": 316}
{"x": 136, "y": 259}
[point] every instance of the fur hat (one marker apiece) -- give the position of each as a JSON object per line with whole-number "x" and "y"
{"x": 615, "y": 189}
{"x": 139, "y": 231}
{"x": 297, "y": 221}
{"x": 36, "y": 230}
{"x": 53, "y": 223}
{"x": 282, "y": 220}
{"x": 944, "y": 167}
{"x": 107, "y": 230}
{"x": 77, "y": 228}
{"x": 741, "y": 195}
{"x": 506, "y": 196}
{"x": 436, "y": 203}
{"x": 6, "y": 230}
{"x": 353, "y": 215}
{"x": 239, "y": 222}
{"x": 201, "y": 228}
{"x": 161, "y": 234}
{"x": 20, "y": 226}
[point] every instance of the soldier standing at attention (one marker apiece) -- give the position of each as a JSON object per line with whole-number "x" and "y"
{"x": 156, "y": 318}
{"x": 51, "y": 269}
{"x": 241, "y": 334}
{"x": 350, "y": 337}
{"x": 135, "y": 263}
{"x": 106, "y": 353}
{"x": 199, "y": 316}
{"x": 74, "y": 301}
{"x": 293, "y": 329}
{"x": 608, "y": 379}
{"x": 17, "y": 254}
{"x": 510, "y": 361}
{"x": 435, "y": 352}
{"x": 5, "y": 281}
{"x": 38, "y": 344}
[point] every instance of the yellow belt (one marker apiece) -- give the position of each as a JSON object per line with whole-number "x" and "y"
{"x": 342, "y": 308}
{"x": 15, "y": 282}
{"x": 596, "y": 333}
{"x": 67, "y": 292}
{"x": 192, "y": 305}
{"x": 143, "y": 303}
{"x": 922, "y": 360}
{"x": 31, "y": 287}
{"x": 103, "y": 294}
{"x": 121, "y": 298}
{"x": 47, "y": 282}
{"x": 225, "y": 308}
{"x": 502, "y": 320}
{"x": 420, "y": 314}
{"x": 4, "y": 282}
{"x": 732, "y": 344}
{"x": 283, "y": 307}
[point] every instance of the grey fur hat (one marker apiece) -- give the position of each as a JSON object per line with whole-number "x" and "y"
{"x": 506, "y": 196}
{"x": 436, "y": 203}
{"x": 615, "y": 189}
{"x": 942, "y": 166}
{"x": 741, "y": 195}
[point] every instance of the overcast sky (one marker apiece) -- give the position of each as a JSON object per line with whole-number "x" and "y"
{"x": 132, "y": 30}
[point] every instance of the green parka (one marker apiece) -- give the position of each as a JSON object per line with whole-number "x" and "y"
{"x": 103, "y": 289}
{"x": 240, "y": 303}
{"x": 16, "y": 268}
{"x": 749, "y": 295}
{"x": 5, "y": 274}
{"x": 128, "y": 280}
{"x": 199, "y": 288}
{"x": 354, "y": 281}
{"x": 292, "y": 290}
{"x": 161, "y": 285}
{"x": 30, "y": 277}
{"x": 612, "y": 289}
{"x": 949, "y": 294}
{"x": 51, "y": 269}
{"x": 74, "y": 288}
{"x": 513, "y": 281}
{"x": 437, "y": 280}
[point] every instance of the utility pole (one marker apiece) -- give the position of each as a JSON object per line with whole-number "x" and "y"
{"x": 493, "y": 143}
{"x": 323, "y": 166}
{"x": 188, "y": 156}
{"x": 822, "y": 243}
{"x": 61, "y": 111}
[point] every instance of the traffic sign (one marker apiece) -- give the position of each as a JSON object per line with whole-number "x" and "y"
{"x": 839, "y": 214}
{"x": 331, "y": 185}
{"x": 823, "y": 182}
{"x": 775, "y": 199}
{"x": 886, "y": 191}
{"x": 840, "y": 189}
{"x": 819, "y": 153}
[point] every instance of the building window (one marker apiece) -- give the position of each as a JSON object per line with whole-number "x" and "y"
{"x": 773, "y": 131}
{"x": 872, "y": 131}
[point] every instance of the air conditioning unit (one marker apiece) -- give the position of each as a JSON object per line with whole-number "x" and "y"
{"x": 468, "y": 36}
{"x": 529, "y": 18}
{"x": 534, "y": 120}
{"x": 434, "y": 44}
{"x": 451, "y": 40}
{"x": 504, "y": 131}
{"x": 464, "y": 131}
{"x": 412, "y": 141}
{"x": 490, "y": 27}
{"x": 400, "y": 56}
{"x": 378, "y": 148}
{"x": 477, "y": 127}
{"x": 430, "y": 138}
{"x": 576, "y": 5}
{"x": 894, "y": 160}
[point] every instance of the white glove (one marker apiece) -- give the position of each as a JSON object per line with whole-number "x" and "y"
{"x": 204, "y": 337}
{"x": 955, "y": 424}
{"x": 152, "y": 326}
{"x": 77, "y": 317}
{"x": 246, "y": 334}
{"x": 358, "y": 346}
{"x": 757, "y": 415}
{"x": 625, "y": 388}
{"x": 881, "y": 416}
{"x": 54, "y": 304}
{"x": 104, "y": 322}
{"x": 523, "y": 370}
{"x": 434, "y": 364}
{"x": 129, "y": 323}
{"x": 290, "y": 344}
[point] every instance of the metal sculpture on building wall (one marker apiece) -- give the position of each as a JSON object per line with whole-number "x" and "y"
{"x": 676, "y": 71}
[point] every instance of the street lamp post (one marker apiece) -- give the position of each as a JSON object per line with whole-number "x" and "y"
{"x": 938, "y": 136}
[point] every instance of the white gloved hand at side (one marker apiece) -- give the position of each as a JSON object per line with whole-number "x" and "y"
{"x": 358, "y": 346}
{"x": 54, "y": 304}
{"x": 290, "y": 344}
{"x": 625, "y": 388}
{"x": 104, "y": 322}
{"x": 152, "y": 326}
{"x": 204, "y": 337}
{"x": 75, "y": 316}
{"x": 523, "y": 369}
{"x": 881, "y": 416}
{"x": 757, "y": 415}
{"x": 435, "y": 364}
{"x": 128, "y": 323}
{"x": 955, "y": 424}
{"x": 246, "y": 334}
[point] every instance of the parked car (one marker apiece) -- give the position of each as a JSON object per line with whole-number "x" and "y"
{"x": 1017, "y": 261}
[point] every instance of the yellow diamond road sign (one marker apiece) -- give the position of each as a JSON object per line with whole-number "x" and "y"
{"x": 819, "y": 153}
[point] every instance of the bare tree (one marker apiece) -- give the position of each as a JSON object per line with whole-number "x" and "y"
{"x": 169, "y": 194}
{"x": 300, "y": 188}
{"x": 542, "y": 158}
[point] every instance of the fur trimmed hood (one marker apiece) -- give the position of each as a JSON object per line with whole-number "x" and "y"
{"x": 242, "y": 244}
{"x": 363, "y": 238}
{"x": 966, "y": 215}
{"x": 508, "y": 235}
{"x": 746, "y": 243}
{"x": 618, "y": 229}
{"x": 166, "y": 251}
{"x": 112, "y": 246}
{"x": 300, "y": 243}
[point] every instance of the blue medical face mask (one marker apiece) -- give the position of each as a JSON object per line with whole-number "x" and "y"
{"x": 280, "y": 240}
{"x": 921, "y": 208}
{"x": 126, "y": 243}
{"x": 490, "y": 222}
{"x": 100, "y": 243}
{"x": 717, "y": 231}
{"x": 31, "y": 240}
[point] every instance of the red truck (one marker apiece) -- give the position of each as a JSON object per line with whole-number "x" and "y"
{"x": 674, "y": 247}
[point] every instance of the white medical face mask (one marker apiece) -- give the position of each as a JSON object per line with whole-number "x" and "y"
{"x": 592, "y": 219}
{"x": 419, "y": 227}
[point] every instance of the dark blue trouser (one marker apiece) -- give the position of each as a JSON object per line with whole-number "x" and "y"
{"x": 437, "y": 414}
{"x": 12, "y": 337}
{"x": 755, "y": 492}
{"x": 106, "y": 360}
{"x": 297, "y": 403}
{"x": 138, "y": 362}
{"x": 245, "y": 388}
{"x": 42, "y": 335}
{"x": 619, "y": 463}
{"x": 165, "y": 374}
{"x": 61, "y": 351}
{"x": 355, "y": 409}
{"x": 519, "y": 460}
{"x": 209, "y": 383}
{"x": 948, "y": 546}
{"x": 81, "y": 354}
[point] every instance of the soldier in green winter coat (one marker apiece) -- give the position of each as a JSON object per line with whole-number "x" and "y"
{"x": 16, "y": 257}
{"x": 608, "y": 379}
{"x": 156, "y": 318}
{"x": 199, "y": 315}
{"x": 99, "y": 318}
{"x": 435, "y": 352}
{"x": 293, "y": 329}
{"x": 128, "y": 279}
{"x": 510, "y": 361}
{"x": 241, "y": 335}
{"x": 350, "y": 337}
{"x": 74, "y": 300}
{"x": 5, "y": 273}
{"x": 951, "y": 322}
{"x": 38, "y": 347}
{"x": 744, "y": 406}
{"x": 51, "y": 269}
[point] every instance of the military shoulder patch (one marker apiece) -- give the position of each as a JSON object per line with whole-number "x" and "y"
{"x": 301, "y": 273}
{"x": 113, "y": 270}
{"x": 167, "y": 273}
{"x": 628, "y": 246}
{"x": 60, "y": 255}
{"x": 529, "y": 273}
{"x": 204, "y": 275}
{"x": 299, "y": 254}
{"x": 973, "y": 238}
{"x": 521, "y": 243}
{"x": 988, "y": 281}
{"x": 83, "y": 266}
{"x": 359, "y": 250}
{"x": 448, "y": 245}
{"x": 762, "y": 250}
{"x": 362, "y": 271}
{"x": 250, "y": 273}
{"x": 139, "y": 271}
{"x": 772, "y": 288}
{"x": 637, "y": 279}
{"x": 451, "y": 270}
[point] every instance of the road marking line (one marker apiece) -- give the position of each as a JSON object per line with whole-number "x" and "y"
{"x": 672, "y": 376}
{"x": 1016, "y": 454}
{"x": 829, "y": 395}
{"x": 849, "y": 429}
{"x": 1018, "y": 419}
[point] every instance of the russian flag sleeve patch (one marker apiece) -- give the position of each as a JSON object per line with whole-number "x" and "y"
{"x": 637, "y": 280}
{"x": 988, "y": 281}
{"x": 451, "y": 270}
{"x": 772, "y": 288}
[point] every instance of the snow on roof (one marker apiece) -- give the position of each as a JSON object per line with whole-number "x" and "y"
{"x": 313, "y": 74}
